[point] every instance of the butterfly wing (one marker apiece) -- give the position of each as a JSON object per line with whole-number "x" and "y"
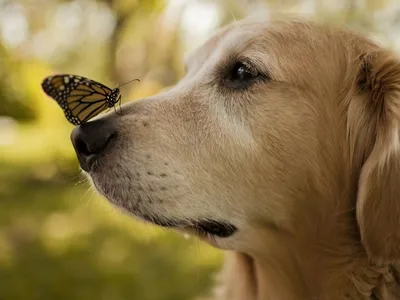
{"x": 80, "y": 98}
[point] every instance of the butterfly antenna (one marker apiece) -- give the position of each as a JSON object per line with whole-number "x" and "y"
{"x": 120, "y": 99}
{"x": 127, "y": 82}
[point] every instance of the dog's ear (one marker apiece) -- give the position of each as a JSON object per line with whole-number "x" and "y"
{"x": 373, "y": 125}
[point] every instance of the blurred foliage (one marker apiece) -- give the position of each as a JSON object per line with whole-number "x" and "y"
{"x": 58, "y": 238}
{"x": 55, "y": 243}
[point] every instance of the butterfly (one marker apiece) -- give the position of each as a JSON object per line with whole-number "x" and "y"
{"x": 80, "y": 98}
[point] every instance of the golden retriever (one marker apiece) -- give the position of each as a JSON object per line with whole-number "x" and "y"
{"x": 281, "y": 145}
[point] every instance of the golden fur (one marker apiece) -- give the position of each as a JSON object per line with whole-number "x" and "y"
{"x": 305, "y": 163}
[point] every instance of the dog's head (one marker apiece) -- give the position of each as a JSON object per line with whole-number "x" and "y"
{"x": 268, "y": 121}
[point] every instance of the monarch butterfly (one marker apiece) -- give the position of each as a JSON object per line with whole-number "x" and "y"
{"x": 80, "y": 98}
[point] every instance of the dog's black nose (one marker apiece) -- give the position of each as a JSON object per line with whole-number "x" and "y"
{"x": 90, "y": 139}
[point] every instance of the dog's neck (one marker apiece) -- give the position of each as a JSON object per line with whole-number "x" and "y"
{"x": 318, "y": 256}
{"x": 286, "y": 267}
{"x": 276, "y": 278}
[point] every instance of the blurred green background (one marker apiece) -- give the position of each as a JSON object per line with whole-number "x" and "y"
{"x": 58, "y": 238}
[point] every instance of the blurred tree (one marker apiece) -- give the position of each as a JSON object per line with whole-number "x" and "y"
{"x": 132, "y": 13}
{"x": 13, "y": 99}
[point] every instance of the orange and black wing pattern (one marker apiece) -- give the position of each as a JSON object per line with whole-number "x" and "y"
{"x": 80, "y": 98}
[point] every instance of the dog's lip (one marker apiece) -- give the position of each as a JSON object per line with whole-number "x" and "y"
{"x": 203, "y": 227}
{"x": 90, "y": 162}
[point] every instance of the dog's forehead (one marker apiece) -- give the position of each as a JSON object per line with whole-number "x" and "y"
{"x": 263, "y": 37}
{"x": 235, "y": 35}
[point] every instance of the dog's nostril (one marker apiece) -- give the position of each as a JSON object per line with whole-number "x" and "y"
{"x": 82, "y": 147}
{"x": 91, "y": 139}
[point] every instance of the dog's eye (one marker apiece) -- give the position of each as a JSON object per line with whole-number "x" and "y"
{"x": 243, "y": 72}
{"x": 241, "y": 75}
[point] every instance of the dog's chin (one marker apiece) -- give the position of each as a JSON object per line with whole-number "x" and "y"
{"x": 203, "y": 228}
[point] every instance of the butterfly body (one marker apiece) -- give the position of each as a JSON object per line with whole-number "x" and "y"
{"x": 80, "y": 98}
{"x": 114, "y": 97}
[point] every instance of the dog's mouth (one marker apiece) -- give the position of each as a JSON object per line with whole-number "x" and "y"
{"x": 202, "y": 227}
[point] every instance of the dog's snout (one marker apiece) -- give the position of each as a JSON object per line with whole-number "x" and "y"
{"x": 90, "y": 140}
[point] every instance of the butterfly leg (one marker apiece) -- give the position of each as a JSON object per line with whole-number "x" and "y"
{"x": 120, "y": 108}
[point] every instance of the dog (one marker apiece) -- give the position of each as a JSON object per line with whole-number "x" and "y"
{"x": 281, "y": 146}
